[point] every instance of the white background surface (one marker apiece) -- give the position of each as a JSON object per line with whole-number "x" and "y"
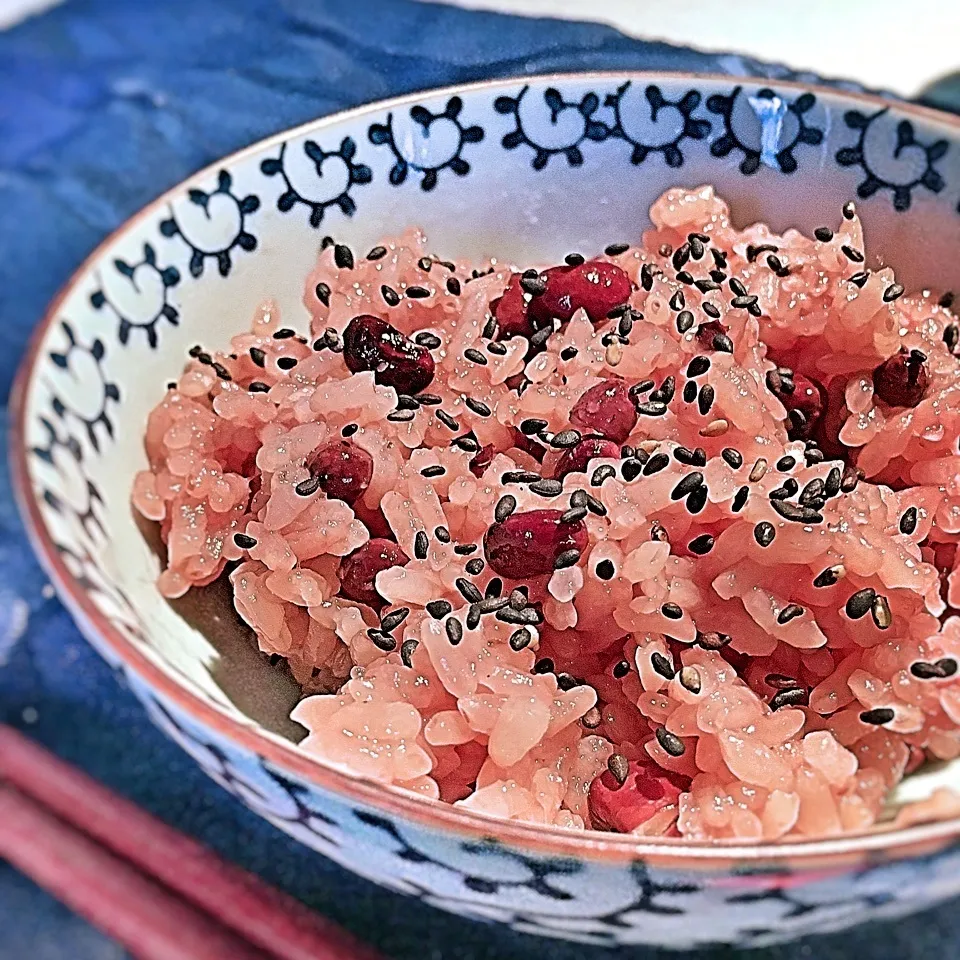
{"x": 882, "y": 43}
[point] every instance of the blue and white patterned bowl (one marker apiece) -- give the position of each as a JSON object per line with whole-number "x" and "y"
{"x": 526, "y": 169}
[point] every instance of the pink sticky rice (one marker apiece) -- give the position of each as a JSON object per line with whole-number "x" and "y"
{"x": 659, "y": 541}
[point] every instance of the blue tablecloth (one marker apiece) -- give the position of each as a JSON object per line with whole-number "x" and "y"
{"x": 104, "y": 104}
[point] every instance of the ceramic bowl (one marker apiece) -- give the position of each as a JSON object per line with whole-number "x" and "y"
{"x": 526, "y": 169}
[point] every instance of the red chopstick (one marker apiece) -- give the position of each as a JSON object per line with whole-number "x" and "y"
{"x": 150, "y": 921}
{"x": 262, "y": 915}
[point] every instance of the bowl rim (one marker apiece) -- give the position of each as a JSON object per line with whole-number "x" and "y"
{"x": 426, "y": 812}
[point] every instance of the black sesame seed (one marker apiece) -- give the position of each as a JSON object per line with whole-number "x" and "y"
{"x": 789, "y": 612}
{"x": 615, "y": 249}
{"x": 764, "y": 533}
{"x": 652, "y": 408}
{"x": 244, "y": 542}
{"x": 740, "y": 499}
{"x": 533, "y": 426}
{"x": 429, "y": 340}
{"x": 788, "y": 698}
{"x": 453, "y": 286}
{"x": 684, "y": 321}
{"x": 684, "y": 276}
{"x": 383, "y": 641}
{"x": 520, "y": 639}
{"x": 701, "y": 545}
{"x": 859, "y": 604}
{"x": 401, "y": 416}
{"x": 813, "y": 493}
{"x": 565, "y": 439}
{"x": 390, "y": 621}
{"x": 433, "y": 471}
{"x": 786, "y": 463}
{"x": 621, "y": 669}
{"x": 544, "y": 665}
{"x": 474, "y": 567}
{"x": 631, "y": 469}
{"x": 680, "y": 256}
{"x": 687, "y": 485}
{"x": 860, "y": 278}
{"x": 442, "y": 534}
{"x": 405, "y": 402}
{"x": 705, "y": 399}
{"x": 733, "y": 457}
{"x": 478, "y": 407}
{"x": 829, "y": 576}
{"x": 706, "y": 286}
{"x": 929, "y": 671}
{"x": 602, "y": 473}
{"x": 664, "y": 393}
{"x": 852, "y": 253}
{"x": 528, "y": 616}
{"x": 546, "y": 488}
{"x": 698, "y": 366}
{"x": 671, "y": 743}
{"x": 795, "y": 513}
{"x": 671, "y": 611}
{"x": 646, "y": 277}
{"x": 823, "y": 234}
{"x": 849, "y": 210}
{"x": 605, "y": 570}
{"x": 678, "y": 301}
{"x": 322, "y": 290}
{"x": 566, "y": 681}
{"x": 407, "y": 650}
{"x": 711, "y": 310}
{"x": 619, "y": 766}
{"x": 286, "y": 363}
{"x": 343, "y": 256}
{"x": 893, "y": 292}
{"x": 850, "y": 479}
{"x": 742, "y": 303}
{"x": 308, "y": 487}
{"x": 349, "y": 430}
{"x": 475, "y": 356}
{"x": 390, "y": 296}
{"x": 689, "y": 392}
{"x": 908, "y": 522}
{"x": 446, "y": 419}
{"x": 417, "y": 293}
{"x": 574, "y": 259}
{"x": 505, "y": 506}
{"x": 567, "y": 559}
{"x": 377, "y": 253}
{"x": 722, "y": 343}
{"x": 438, "y": 609}
{"x": 696, "y": 247}
{"x": 573, "y": 515}
{"x": 466, "y": 442}
{"x": 519, "y": 476}
{"x": 697, "y": 500}
{"x": 421, "y": 545}
{"x": 454, "y": 630}
{"x": 221, "y": 371}
{"x": 878, "y": 716}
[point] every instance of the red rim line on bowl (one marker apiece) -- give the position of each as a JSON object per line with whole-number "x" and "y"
{"x": 156, "y": 890}
{"x": 814, "y": 852}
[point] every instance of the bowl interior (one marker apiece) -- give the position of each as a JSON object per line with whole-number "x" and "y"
{"x": 526, "y": 170}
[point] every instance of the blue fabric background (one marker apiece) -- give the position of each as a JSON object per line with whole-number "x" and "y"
{"x": 103, "y": 105}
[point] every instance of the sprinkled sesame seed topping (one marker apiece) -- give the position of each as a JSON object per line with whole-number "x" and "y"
{"x": 377, "y": 253}
{"x": 790, "y": 612}
{"x": 421, "y": 545}
{"x": 474, "y": 567}
{"x": 878, "y": 716}
{"x": 740, "y": 499}
{"x": 475, "y": 356}
{"x": 908, "y": 521}
{"x": 438, "y": 609}
{"x": 244, "y": 542}
{"x": 764, "y": 533}
{"x": 793, "y": 697}
{"x": 732, "y": 457}
{"x": 823, "y": 234}
{"x": 701, "y": 544}
{"x": 671, "y": 611}
{"x": 671, "y": 743}
{"x": 454, "y": 630}
{"x": 605, "y": 570}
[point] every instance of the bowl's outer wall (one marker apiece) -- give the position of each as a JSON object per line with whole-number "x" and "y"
{"x": 526, "y": 171}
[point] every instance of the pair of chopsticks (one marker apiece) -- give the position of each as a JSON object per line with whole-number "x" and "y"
{"x": 159, "y": 893}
